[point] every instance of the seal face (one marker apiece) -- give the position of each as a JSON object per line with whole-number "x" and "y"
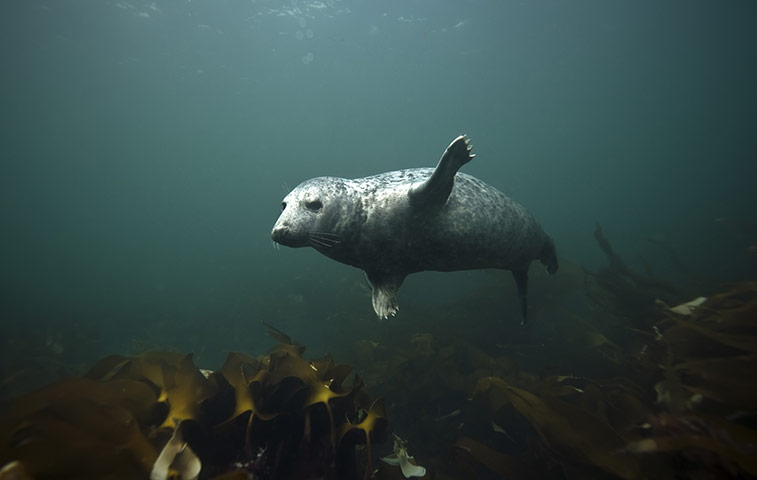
{"x": 397, "y": 223}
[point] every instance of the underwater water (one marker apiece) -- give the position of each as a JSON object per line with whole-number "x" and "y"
{"x": 145, "y": 148}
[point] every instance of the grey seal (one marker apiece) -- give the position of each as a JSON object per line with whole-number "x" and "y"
{"x": 397, "y": 223}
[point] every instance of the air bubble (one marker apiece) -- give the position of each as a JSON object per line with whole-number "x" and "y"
{"x": 309, "y": 33}
{"x": 307, "y": 58}
{"x": 299, "y": 35}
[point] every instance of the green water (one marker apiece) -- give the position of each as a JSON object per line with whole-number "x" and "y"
{"x": 145, "y": 148}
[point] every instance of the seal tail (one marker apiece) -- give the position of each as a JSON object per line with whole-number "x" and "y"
{"x": 548, "y": 256}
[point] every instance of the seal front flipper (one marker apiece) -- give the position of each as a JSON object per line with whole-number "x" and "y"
{"x": 436, "y": 190}
{"x": 521, "y": 281}
{"x": 384, "y": 290}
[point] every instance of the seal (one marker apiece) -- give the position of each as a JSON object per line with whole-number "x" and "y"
{"x": 401, "y": 222}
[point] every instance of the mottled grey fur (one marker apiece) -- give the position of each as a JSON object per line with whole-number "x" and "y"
{"x": 406, "y": 221}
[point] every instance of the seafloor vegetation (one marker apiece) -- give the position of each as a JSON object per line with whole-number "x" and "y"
{"x": 632, "y": 377}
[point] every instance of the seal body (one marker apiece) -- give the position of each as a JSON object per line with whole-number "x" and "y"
{"x": 397, "y": 223}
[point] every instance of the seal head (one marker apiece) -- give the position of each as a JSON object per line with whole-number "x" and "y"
{"x": 396, "y": 223}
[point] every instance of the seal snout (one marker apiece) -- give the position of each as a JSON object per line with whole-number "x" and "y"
{"x": 279, "y": 233}
{"x": 284, "y": 234}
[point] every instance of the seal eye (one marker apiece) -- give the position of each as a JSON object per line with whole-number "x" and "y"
{"x": 314, "y": 206}
{"x": 283, "y": 206}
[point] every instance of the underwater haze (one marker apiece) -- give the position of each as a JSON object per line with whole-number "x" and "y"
{"x": 145, "y": 148}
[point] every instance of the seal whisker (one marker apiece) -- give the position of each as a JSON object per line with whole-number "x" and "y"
{"x": 327, "y": 241}
{"x": 326, "y": 238}
{"x": 327, "y": 234}
{"x": 324, "y": 241}
{"x": 315, "y": 243}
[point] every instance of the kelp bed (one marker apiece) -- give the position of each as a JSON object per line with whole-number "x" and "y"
{"x": 681, "y": 406}
{"x": 158, "y": 416}
{"x": 634, "y": 389}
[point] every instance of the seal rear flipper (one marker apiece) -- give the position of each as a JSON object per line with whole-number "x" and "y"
{"x": 436, "y": 190}
{"x": 384, "y": 290}
{"x": 521, "y": 281}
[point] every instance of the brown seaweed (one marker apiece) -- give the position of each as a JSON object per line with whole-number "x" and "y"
{"x": 570, "y": 432}
{"x": 676, "y": 395}
{"x": 630, "y": 292}
{"x": 633, "y": 389}
{"x": 244, "y": 419}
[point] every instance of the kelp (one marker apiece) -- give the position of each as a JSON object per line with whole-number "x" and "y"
{"x": 671, "y": 392}
{"x": 619, "y": 288}
{"x": 180, "y": 384}
{"x": 468, "y": 454}
{"x": 706, "y": 361}
{"x": 369, "y": 429}
{"x": 706, "y": 440}
{"x": 14, "y": 471}
{"x": 623, "y": 386}
{"x": 156, "y": 415}
{"x": 176, "y": 457}
{"x": 81, "y": 428}
{"x": 711, "y": 353}
{"x": 570, "y": 432}
{"x": 677, "y": 398}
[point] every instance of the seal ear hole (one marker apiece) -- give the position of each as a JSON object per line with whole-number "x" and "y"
{"x": 314, "y": 206}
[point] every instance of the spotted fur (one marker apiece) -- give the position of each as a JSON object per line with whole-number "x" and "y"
{"x": 397, "y": 223}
